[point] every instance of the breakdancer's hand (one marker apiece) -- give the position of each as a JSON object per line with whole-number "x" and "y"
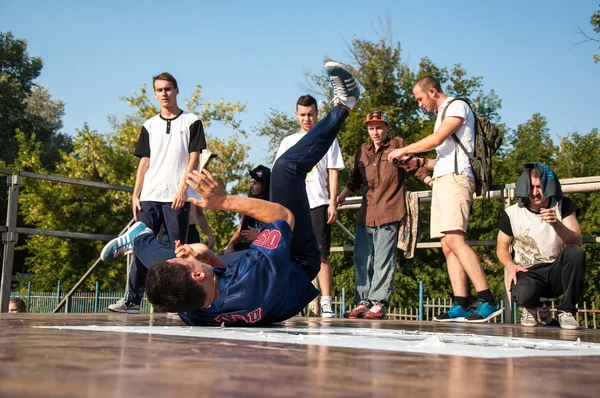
{"x": 199, "y": 251}
{"x": 205, "y": 184}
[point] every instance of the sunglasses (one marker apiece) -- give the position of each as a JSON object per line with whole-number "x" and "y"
{"x": 544, "y": 303}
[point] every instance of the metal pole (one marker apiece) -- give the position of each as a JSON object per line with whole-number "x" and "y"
{"x": 58, "y": 292}
{"x": 96, "y": 297}
{"x": 343, "y": 302}
{"x": 9, "y": 239}
{"x": 508, "y": 308}
{"x": 420, "y": 300}
{"x": 28, "y": 295}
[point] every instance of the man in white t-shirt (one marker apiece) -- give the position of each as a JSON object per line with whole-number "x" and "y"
{"x": 322, "y": 201}
{"x": 543, "y": 231}
{"x": 168, "y": 147}
{"x": 453, "y": 187}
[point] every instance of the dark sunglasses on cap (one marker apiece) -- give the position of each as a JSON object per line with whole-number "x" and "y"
{"x": 545, "y": 303}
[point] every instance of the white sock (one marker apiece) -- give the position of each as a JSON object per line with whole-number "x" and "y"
{"x": 325, "y": 300}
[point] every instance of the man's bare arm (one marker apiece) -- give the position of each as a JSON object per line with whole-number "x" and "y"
{"x": 202, "y": 222}
{"x": 214, "y": 197}
{"x": 333, "y": 192}
{"x": 235, "y": 239}
{"x": 569, "y": 230}
{"x": 448, "y": 126}
{"x": 143, "y": 167}
{"x": 503, "y": 252}
{"x": 179, "y": 199}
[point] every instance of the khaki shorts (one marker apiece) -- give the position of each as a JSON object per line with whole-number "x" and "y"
{"x": 451, "y": 203}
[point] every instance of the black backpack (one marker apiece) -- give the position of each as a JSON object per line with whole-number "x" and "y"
{"x": 487, "y": 142}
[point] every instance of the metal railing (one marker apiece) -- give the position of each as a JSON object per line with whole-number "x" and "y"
{"x": 10, "y": 231}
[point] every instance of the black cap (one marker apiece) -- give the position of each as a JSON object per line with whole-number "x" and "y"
{"x": 261, "y": 173}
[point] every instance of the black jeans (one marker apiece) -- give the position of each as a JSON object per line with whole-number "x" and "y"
{"x": 288, "y": 186}
{"x": 563, "y": 276}
{"x": 154, "y": 215}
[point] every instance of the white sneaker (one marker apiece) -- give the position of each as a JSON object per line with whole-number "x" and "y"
{"x": 327, "y": 311}
{"x": 345, "y": 87}
{"x": 528, "y": 317}
{"x": 125, "y": 307}
{"x": 567, "y": 320}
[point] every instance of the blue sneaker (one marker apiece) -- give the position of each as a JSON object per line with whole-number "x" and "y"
{"x": 124, "y": 243}
{"x": 455, "y": 314}
{"x": 345, "y": 87}
{"x": 484, "y": 312}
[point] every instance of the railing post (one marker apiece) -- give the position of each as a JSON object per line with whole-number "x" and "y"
{"x": 507, "y": 194}
{"x": 343, "y": 302}
{"x": 96, "y": 297}
{"x": 58, "y": 292}
{"x": 9, "y": 239}
{"x": 420, "y": 300}
{"x": 28, "y": 295}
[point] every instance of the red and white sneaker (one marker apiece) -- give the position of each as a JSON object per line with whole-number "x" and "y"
{"x": 358, "y": 312}
{"x": 377, "y": 311}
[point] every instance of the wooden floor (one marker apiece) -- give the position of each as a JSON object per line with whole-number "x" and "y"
{"x": 38, "y": 362}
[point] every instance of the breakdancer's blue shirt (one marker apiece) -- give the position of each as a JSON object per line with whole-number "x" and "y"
{"x": 261, "y": 287}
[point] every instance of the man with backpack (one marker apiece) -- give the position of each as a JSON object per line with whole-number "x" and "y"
{"x": 453, "y": 188}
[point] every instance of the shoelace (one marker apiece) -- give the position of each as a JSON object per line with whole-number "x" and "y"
{"x": 526, "y": 316}
{"x": 361, "y": 307}
{"x": 122, "y": 250}
{"x": 567, "y": 315}
{"x": 339, "y": 88}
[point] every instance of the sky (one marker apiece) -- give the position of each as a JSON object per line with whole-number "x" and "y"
{"x": 257, "y": 52}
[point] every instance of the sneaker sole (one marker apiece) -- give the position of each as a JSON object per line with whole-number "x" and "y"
{"x": 374, "y": 317}
{"x": 457, "y": 319}
{"x": 327, "y": 315}
{"x": 336, "y": 65}
{"x": 124, "y": 311}
{"x": 529, "y": 325}
{"x": 490, "y": 316}
{"x": 569, "y": 327}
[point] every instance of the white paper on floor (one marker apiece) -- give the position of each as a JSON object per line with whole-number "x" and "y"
{"x": 469, "y": 345}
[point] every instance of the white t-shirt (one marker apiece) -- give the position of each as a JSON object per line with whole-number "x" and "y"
{"x": 317, "y": 178}
{"x": 168, "y": 143}
{"x": 444, "y": 162}
{"x": 534, "y": 241}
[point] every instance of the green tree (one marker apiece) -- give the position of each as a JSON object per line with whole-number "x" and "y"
{"x": 25, "y": 105}
{"x": 109, "y": 159}
{"x": 530, "y": 142}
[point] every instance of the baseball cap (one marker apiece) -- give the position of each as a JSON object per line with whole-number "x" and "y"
{"x": 261, "y": 173}
{"x": 377, "y": 116}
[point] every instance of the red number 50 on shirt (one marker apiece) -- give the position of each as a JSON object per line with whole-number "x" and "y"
{"x": 268, "y": 238}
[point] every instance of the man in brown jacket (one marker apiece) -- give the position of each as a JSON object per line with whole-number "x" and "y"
{"x": 381, "y": 211}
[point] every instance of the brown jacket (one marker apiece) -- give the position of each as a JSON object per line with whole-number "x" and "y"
{"x": 383, "y": 201}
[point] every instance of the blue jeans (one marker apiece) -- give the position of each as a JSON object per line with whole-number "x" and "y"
{"x": 288, "y": 189}
{"x": 288, "y": 186}
{"x": 154, "y": 215}
{"x": 375, "y": 262}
